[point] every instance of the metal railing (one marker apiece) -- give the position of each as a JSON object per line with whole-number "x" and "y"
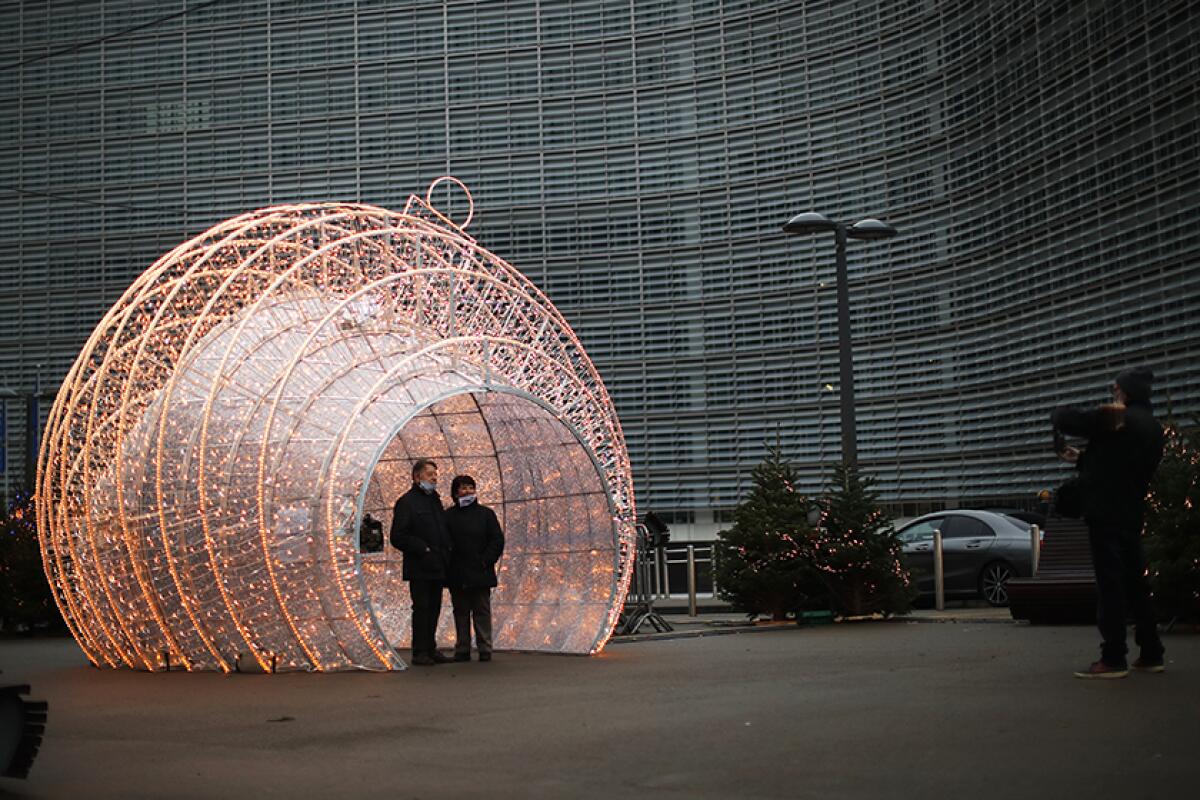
{"x": 683, "y": 570}
{"x": 696, "y": 560}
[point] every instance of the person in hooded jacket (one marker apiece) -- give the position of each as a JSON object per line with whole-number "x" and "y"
{"x": 1124, "y": 446}
{"x": 419, "y": 531}
{"x": 478, "y": 543}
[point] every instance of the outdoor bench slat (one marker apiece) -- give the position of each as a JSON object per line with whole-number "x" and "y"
{"x": 1064, "y": 588}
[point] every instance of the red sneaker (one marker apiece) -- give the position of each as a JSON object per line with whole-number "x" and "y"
{"x": 1099, "y": 669}
{"x": 1148, "y": 665}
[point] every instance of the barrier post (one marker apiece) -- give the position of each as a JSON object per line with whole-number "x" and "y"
{"x": 691, "y": 573}
{"x": 939, "y": 578}
{"x": 1035, "y": 546}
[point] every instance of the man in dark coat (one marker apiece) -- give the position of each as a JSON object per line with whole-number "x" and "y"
{"x": 478, "y": 544}
{"x": 419, "y": 531}
{"x": 1124, "y": 446}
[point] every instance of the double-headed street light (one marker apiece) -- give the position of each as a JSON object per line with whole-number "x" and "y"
{"x": 812, "y": 222}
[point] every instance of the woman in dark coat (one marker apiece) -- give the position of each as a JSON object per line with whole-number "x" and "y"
{"x": 478, "y": 543}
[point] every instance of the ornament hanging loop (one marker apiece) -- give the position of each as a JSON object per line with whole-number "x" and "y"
{"x": 470, "y": 200}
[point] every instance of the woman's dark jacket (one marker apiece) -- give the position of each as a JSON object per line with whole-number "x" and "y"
{"x": 419, "y": 530}
{"x": 1115, "y": 469}
{"x": 478, "y": 543}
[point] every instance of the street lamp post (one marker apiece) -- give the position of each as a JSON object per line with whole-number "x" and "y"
{"x": 810, "y": 223}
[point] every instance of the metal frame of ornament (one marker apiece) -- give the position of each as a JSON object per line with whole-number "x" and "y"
{"x": 211, "y": 455}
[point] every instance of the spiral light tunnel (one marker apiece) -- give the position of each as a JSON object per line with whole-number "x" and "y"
{"x": 210, "y": 458}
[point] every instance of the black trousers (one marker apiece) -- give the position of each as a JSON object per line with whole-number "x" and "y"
{"x": 1122, "y": 590}
{"x": 473, "y": 604}
{"x": 426, "y": 608}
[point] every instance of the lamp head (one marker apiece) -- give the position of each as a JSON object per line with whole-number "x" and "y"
{"x": 870, "y": 229}
{"x": 809, "y": 222}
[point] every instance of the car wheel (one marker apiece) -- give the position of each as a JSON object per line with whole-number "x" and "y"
{"x": 993, "y": 583}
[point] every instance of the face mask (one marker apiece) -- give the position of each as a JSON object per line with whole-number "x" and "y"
{"x": 427, "y": 487}
{"x": 466, "y": 500}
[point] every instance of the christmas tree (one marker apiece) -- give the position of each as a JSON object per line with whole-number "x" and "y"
{"x": 762, "y": 561}
{"x": 856, "y": 551}
{"x": 25, "y": 600}
{"x": 1172, "y": 533}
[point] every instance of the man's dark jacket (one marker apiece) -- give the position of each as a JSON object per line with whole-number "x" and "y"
{"x": 478, "y": 544}
{"x": 419, "y": 531}
{"x": 1116, "y": 467}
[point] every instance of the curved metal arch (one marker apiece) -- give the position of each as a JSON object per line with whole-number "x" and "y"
{"x": 328, "y": 469}
{"x": 281, "y": 383}
{"x": 142, "y": 287}
{"x": 481, "y": 388}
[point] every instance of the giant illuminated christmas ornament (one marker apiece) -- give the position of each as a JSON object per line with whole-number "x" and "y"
{"x": 218, "y": 459}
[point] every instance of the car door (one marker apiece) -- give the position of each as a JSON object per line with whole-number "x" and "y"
{"x": 917, "y": 541}
{"x": 965, "y": 545}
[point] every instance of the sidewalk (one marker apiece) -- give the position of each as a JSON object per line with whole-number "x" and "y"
{"x": 985, "y": 614}
{"x": 726, "y": 622}
{"x": 846, "y": 711}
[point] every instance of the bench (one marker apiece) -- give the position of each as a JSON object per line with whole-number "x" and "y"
{"x": 1063, "y": 591}
{"x": 22, "y": 725}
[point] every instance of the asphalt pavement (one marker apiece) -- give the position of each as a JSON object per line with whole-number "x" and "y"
{"x": 850, "y": 710}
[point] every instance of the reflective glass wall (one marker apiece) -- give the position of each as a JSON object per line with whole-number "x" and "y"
{"x": 636, "y": 160}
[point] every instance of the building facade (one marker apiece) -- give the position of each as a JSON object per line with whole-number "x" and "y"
{"x": 636, "y": 160}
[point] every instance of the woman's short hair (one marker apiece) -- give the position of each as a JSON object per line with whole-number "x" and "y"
{"x": 460, "y": 481}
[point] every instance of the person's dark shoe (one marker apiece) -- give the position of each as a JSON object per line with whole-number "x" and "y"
{"x": 438, "y": 658}
{"x": 1099, "y": 669}
{"x": 462, "y": 657}
{"x": 423, "y": 660}
{"x": 1144, "y": 664}
{"x": 485, "y": 656}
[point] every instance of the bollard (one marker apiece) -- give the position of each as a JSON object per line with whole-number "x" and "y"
{"x": 1035, "y": 547}
{"x": 664, "y": 575}
{"x": 691, "y": 566}
{"x": 939, "y": 578}
{"x": 660, "y": 593}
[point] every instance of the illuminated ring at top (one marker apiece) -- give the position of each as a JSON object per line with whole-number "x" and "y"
{"x": 470, "y": 200}
{"x": 216, "y": 456}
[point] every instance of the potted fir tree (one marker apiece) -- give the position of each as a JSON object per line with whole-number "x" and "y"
{"x": 762, "y": 564}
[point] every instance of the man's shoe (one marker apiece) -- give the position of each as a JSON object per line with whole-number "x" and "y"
{"x": 1099, "y": 669}
{"x": 423, "y": 660}
{"x": 462, "y": 657}
{"x": 1149, "y": 665}
{"x": 485, "y": 656}
{"x": 438, "y": 658}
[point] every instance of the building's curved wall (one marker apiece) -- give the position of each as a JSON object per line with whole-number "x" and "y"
{"x": 636, "y": 160}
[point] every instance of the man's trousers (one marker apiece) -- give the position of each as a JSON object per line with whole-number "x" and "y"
{"x": 1122, "y": 591}
{"x": 426, "y": 608}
